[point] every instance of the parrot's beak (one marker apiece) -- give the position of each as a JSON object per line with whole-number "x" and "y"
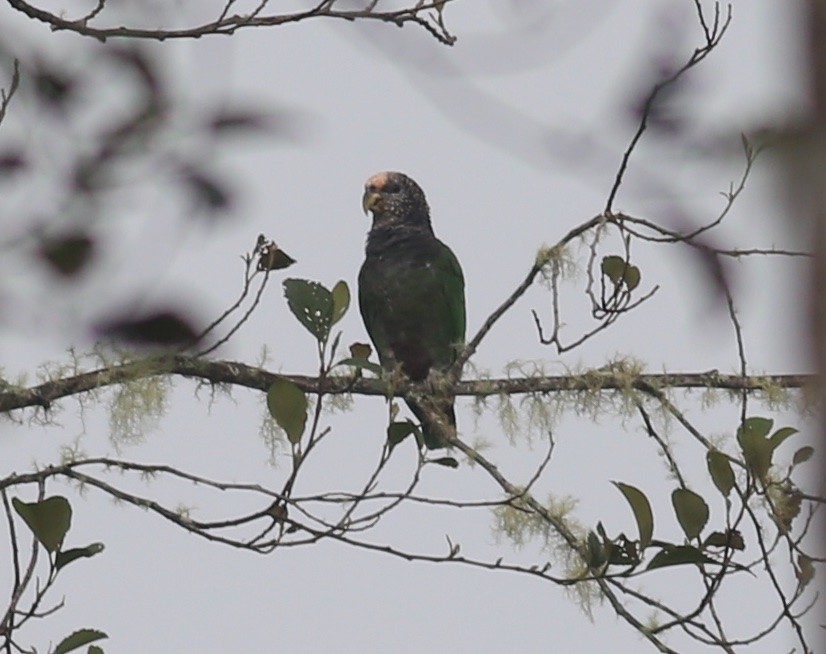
{"x": 370, "y": 201}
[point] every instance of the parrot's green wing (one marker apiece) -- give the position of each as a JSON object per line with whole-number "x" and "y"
{"x": 452, "y": 284}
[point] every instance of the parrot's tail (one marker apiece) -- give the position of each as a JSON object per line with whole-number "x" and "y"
{"x": 437, "y": 419}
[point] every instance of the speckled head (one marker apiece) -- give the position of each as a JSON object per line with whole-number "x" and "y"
{"x": 395, "y": 199}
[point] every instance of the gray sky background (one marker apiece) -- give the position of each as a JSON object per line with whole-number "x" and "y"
{"x": 515, "y": 135}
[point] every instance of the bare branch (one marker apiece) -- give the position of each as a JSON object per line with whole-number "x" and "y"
{"x": 7, "y": 95}
{"x": 712, "y": 40}
{"x": 227, "y": 24}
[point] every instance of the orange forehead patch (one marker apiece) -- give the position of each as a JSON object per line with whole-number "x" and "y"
{"x": 378, "y": 181}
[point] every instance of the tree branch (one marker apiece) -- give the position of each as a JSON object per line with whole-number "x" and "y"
{"x": 228, "y": 24}
{"x": 240, "y": 374}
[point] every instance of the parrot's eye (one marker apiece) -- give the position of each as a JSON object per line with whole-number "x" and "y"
{"x": 391, "y": 187}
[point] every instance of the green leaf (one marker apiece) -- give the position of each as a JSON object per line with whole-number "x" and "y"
{"x": 757, "y": 451}
{"x": 79, "y": 639}
{"x": 613, "y": 267}
{"x": 274, "y": 258}
{"x": 361, "y": 363}
{"x": 360, "y": 350}
{"x": 288, "y": 406}
{"x": 642, "y": 511}
{"x": 732, "y": 539}
{"x": 781, "y": 435}
{"x": 760, "y": 426}
{"x": 632, "y": 277}
{"x": 803, "y": 454}
{"x": 678, "y": 555}
{"x": 334, "y": 347}
{"x": 446, "y": 461}
{"x": 65, "y": 557}
{"x": 341, "y": 300}
{"x": 398, "y": 431}
{"x": 618, "y": 270}
{"x": 805, "y": 571}
{"x": 619, "y": 551}
{"x": 312, "y": 304}
{"x": 94, "y": 649}
{"x": 720, "y": 470}
{"x": 691, "y": 510}
{"x": 596, "y": 551}
{"x": 49, "y": 520}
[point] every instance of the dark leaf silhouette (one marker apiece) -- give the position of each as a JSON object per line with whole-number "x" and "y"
{"x": 11, "y": 162}
{"x": 208, "y": 192}
{"x": 272, "y": 257}
{"x": 68, "y": 255}
{"x": 158, "y": 328}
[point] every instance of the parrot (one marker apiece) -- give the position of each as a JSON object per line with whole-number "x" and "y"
{"x": 411, "y": 294}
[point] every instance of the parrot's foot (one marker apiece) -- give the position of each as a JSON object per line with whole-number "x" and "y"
{"x": 394, "y": 379}
{"x": 437, "y": 383}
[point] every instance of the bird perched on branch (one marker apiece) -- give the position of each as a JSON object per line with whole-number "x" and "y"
{"x": 412, "y": 297}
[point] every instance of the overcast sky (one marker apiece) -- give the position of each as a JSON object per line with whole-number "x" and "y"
{"x": 515, "y": 135}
